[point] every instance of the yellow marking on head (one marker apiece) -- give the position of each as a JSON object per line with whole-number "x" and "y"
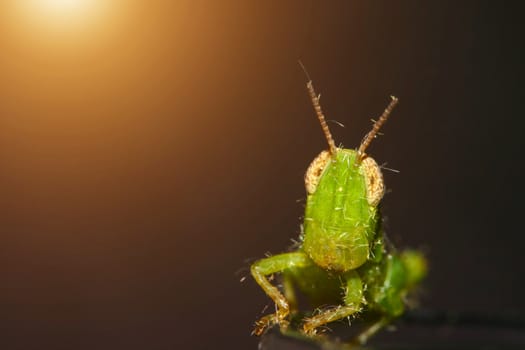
{"x": 315, "y": 170}
{"x": 375, "y": 187}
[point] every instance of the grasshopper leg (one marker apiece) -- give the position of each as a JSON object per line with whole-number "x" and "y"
{"x": 353, "y": 299}
{"x": 265, "y": 267}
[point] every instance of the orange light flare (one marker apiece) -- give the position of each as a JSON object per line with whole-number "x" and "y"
{"x": 43, "y": 17}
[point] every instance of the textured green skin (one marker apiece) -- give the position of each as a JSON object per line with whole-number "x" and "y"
{"x": 342, "y": 259}
{"x": 339, "y": 223}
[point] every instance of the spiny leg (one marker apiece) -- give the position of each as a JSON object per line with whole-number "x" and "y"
{"x": 353, "y": 300}
{"x": 274, "y": 264}
{"x": 328, "y": 316}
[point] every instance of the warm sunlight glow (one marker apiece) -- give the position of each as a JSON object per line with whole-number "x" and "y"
{"x": 62, "y": 15}
{"x": 64, "y": 6}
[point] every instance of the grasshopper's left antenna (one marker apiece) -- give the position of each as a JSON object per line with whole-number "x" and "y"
{"x": 317, "y": 106}
{"x": 377, "y": 125}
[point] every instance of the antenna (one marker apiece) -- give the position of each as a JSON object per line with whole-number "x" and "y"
{"x": 317, "y": 106}
{"x": 377, "y": 125}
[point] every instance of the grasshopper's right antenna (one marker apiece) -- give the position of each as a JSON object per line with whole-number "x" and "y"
{"x": 375, "y": 129}
{"x": 317, "y": 106}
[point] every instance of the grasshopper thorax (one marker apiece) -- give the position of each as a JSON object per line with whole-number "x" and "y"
{"x": 341, "y": 217}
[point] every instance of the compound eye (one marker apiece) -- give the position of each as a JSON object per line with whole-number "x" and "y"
{"x": 315, "y": 170}
{"x": 375, "y": 187}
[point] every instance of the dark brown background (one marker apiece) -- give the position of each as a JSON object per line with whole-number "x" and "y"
{"x": 145, "y": 163}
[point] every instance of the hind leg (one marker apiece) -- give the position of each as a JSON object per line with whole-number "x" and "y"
{"x": 353, "y": 299}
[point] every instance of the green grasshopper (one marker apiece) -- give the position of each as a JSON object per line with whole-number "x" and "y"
{"x": 342, "y": 258}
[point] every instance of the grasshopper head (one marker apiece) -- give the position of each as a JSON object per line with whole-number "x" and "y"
{"x": 344, "y": 188}
{"x": 341, "y": 215}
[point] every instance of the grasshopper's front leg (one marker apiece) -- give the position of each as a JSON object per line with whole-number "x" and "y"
{"x": 265, "y": 267}
{"x": 353, "y": 300}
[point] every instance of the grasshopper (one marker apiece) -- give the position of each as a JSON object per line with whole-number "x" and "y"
{"x": 341, "y": 258}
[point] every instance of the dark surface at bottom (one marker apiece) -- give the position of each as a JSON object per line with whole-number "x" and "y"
{"x": 421, "y": 330}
